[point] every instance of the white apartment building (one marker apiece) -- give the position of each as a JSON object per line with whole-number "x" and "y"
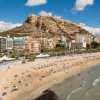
{"x": 76, "y": 45}
{"x": 9, "y": 43}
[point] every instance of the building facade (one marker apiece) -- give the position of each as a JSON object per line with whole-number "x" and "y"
{"x": 2, "y": 44}
{"x": 77, "y": 38}
{"x": 33, "y": 45}
{"x": 63, "y": 40}
{"x": 19, "y": 43}
{"x": 75, "y": 45}
{"x": 9, "y": 43}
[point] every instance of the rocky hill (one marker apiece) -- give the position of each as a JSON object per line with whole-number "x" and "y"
{"x": 47, "y": 26}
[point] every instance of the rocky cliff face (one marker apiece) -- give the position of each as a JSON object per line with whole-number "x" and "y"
{"x": 47, "y": 26}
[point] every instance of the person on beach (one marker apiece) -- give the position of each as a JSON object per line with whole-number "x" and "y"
{"x": 90, "y": 88}
{"x": 8, "y": 67}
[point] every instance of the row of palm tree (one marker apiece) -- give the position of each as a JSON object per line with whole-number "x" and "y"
{"x": 75, "y": 51}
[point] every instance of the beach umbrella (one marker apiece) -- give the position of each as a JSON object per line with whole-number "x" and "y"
{"x": 21, "y": 81}
{"x": 28, "y": 84}
{"x": 16, "y": 87}
{"x": 12, "y": 89}
{"x": 16, "y": 75}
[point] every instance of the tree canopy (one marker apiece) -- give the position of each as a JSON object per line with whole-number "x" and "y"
{"x": 59, "y": 45}
{"x": 95, "y": 45}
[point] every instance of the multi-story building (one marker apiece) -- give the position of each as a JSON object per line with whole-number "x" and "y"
{"x": 97, "y": 39}
{"x": 63, "y": 40}
{"x": 54, "y": 42}
{"x": 50, "y": 43}
{"x": 85, "y": 38}
{"x": 80, "y": 38}
{"x": 75, "y": 45}
{"x": 9, "y": 44}
{"x": 45, "y": 42}
{"x": 33, "y": 45}
{"x": 77, "y": 38}
{"x": 19, "y": 43}
{"x": 91, "y": 38}
{"x": 2, "y": 44}
{"x": 94, "y": 39}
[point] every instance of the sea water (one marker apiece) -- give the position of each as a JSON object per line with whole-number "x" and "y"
{"x": 85, "y": 86}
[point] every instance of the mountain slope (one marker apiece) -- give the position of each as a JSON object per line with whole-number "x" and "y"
{"x": 47, "y": 26}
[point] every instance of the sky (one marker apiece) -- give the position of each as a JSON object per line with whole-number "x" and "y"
{"x": 84, "y": 12}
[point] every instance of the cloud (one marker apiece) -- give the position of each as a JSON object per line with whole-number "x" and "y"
{"x": 45, "y": 13}
{"x": 81, "y": 4}
{"x": 73, "y": 12}
{"x": 94, "y": 31}
{"x": 57, "y": 16}
{"x": 35, "y": 2}
{"x": 6, "y": 26}
{"x": 65, "y": 9}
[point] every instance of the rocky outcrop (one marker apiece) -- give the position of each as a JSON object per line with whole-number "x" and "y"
{"x": 31, "y": 18}
{"x": 61, "y": 29}
{"x": 47, "y": 26}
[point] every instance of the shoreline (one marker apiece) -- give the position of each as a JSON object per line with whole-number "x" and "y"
{"x": 55, "y": 70}
{"x": 38, "y": 92}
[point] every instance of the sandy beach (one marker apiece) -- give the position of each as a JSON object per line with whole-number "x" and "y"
{"x": 28, "y": 81}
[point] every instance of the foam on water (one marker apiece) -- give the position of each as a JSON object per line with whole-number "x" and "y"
{"x": 96, "y": 81}
{"x": 84, "y": 82}
{"x": 73, "y": 92}
{"x": 87, "y": 89}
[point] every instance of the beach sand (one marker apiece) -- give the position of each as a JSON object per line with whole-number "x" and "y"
{"x": 39, "y": 76}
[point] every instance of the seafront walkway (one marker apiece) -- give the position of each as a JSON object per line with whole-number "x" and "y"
{"x": 6, "y": 64}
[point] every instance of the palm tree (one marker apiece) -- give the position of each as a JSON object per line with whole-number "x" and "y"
{"x": 33, "y": 57}
{"x": 26, "y": 50}
{"x": 15, "y": 50}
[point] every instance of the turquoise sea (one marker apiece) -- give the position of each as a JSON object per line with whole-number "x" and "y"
{"x": 85, "y": 86}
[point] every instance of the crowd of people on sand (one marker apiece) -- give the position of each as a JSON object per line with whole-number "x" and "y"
{"x": 54, "y": 65}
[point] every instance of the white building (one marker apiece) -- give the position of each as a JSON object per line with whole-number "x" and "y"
{"x": 77, "y": 38}
{"x": 68, "y": 44}
{"x": 50, "y": 43}
{"x": 9, "y": 43}
{"x": 76, "y": 45}
{"x": 63, "y": 40}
